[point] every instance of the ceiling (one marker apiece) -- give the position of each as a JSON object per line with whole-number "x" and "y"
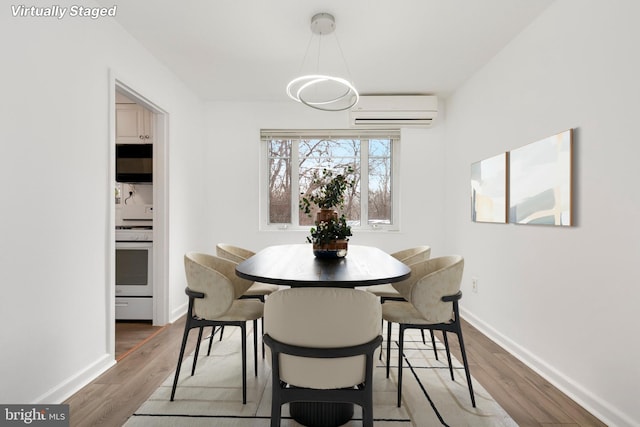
{"x": 248, "y": 50}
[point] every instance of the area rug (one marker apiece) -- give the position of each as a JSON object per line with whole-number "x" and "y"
{"x": 213, "y": 396}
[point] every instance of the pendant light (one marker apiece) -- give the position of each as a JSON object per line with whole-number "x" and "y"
{"x": 318, "y": 90}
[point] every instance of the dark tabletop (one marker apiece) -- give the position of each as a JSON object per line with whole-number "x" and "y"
{"x": 296, "y": 266}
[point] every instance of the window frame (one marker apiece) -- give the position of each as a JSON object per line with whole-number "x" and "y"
{"x": 268, "y": 134}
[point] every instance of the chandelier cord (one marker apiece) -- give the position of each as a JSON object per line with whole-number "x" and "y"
{"x": 342, "y": 55}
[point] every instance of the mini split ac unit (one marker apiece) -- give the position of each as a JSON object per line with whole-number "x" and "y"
{"x": 394, "y": 111}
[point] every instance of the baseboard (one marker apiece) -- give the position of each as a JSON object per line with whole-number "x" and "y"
{"x": 604, "y": 411}
{"x": 66, "y": 389}
{"x": 178, "y": 312}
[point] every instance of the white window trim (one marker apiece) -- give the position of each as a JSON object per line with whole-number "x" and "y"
{"x": 337, "y": 133}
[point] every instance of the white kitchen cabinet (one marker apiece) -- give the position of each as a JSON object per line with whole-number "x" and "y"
{"x": 134, "y": 124}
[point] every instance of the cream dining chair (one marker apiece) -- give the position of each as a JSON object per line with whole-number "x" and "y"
{"x": 257, "y": 290}
{"x": 387, "y": 292}
{"x": 214, "y": 293}
{"x": 431, "y": 293}
{"x": 311, "y": 365}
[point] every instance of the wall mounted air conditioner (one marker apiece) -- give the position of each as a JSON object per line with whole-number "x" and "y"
{"x": 394, "y": 111}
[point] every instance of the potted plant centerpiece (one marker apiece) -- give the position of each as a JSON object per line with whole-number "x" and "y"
{"x": 331, "y": 233}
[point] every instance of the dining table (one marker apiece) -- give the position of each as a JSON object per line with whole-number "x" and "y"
{"x": 296, "y": 266}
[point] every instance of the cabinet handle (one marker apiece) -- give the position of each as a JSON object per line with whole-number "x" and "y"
{"x": 146, "y": 137}
{"x": 141, "y": 136}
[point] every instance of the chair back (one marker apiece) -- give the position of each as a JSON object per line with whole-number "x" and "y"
{"x": 413, "y": 255}
{"x": 322, "y": 318}
{"x": 430, "y": 280}
{"x": 215, "y": 277}
{"x": 233, "y": 253}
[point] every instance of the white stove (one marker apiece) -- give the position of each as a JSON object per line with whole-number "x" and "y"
{"x": 134, "y": 273}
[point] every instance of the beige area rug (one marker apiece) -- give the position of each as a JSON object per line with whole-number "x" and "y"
{"x": 213, "y": 396}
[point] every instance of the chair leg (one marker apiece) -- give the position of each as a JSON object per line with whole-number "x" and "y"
{"x": 424, "y": 341}
{"x": 388, "y": 346}
{"x": 446, "y": 346}
{"x": 433, "y": 343}
{"x": 213, "y": 332}
{"x": 221, "y": 332}
{"x": 466, "y": 365}
{"x": 276, "y": 404}
{"x": 400, "y": 357}
{"x": 185, "y": 336}
{"x": 381, "y": 329}
{"x": 195, "y": 356}
{"x": 243, "y": 328}
{"x": 262, "y": 327}
{"x": 255, "y": 346}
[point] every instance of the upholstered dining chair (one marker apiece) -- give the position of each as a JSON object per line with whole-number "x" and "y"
{"x": 407, "y": 256}
{"x": 214, "y": 293}
{"x": 237, "y": 255}
{"x": 431, "y": 293}
{"x": 256, "y": 290}
{"x": 310, "y": 365}
{"x": 387, "y": 292}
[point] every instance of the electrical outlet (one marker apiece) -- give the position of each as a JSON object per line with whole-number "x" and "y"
{"x": 474, "y": 284}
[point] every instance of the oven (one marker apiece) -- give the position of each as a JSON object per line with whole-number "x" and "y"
{"x": 134, "y": 274}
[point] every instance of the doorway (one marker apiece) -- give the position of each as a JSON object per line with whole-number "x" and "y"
{"x": 129, "y": 334}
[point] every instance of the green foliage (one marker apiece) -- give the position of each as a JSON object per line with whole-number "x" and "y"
{"x": 329, "y": 192}
{"x": 327, "y": 231}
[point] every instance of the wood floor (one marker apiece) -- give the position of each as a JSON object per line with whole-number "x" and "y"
{"x": 530, "y": 400}
{"x": 131, "y": 334}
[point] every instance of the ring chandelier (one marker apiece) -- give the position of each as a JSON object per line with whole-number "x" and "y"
{"x": 321, "y": 91}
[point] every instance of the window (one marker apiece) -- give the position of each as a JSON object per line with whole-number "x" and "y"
{"x": 292, "y": 157}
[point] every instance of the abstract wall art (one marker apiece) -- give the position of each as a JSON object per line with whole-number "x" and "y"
{"x": 489, "y": 189}
{"x": 540, "y": 181}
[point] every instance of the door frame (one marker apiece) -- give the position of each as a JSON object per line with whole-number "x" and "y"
{"x": 160, "y": 208}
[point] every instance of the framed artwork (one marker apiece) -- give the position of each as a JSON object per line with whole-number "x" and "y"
{"x": 540, "y": 181}
{"x": 489, "y": 189}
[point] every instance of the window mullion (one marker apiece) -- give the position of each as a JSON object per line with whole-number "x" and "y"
{"x": 364, "y": 182}
{"x": 295, "y": 182}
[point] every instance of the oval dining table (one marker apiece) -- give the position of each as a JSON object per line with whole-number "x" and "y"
{"x": 296, "y": 266}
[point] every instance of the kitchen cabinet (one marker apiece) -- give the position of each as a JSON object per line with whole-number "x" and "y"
{"x": 134, "y": 124}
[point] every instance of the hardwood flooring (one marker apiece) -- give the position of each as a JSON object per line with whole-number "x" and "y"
{"x": 527, "y": 397}
{"x": 130, "y": 335}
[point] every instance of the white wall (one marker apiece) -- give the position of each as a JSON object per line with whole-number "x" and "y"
{"x": 233, "y": 133}
{"x": 57, "y": 197}
{"x": 563, "y": 299}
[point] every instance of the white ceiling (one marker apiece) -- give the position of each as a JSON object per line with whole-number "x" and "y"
{"x": 249, "y": 49}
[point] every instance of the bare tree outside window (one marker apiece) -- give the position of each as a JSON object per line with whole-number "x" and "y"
{"x": 280, "y": 181}
{"x": 379, "y": 181}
